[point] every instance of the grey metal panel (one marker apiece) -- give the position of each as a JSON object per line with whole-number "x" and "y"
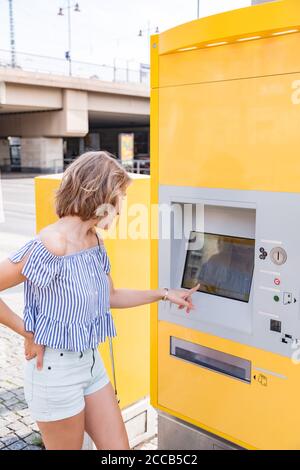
{"x": 273, "y": 219}
{"x": 175, "y": 434}
{"x": 257, "y": 2}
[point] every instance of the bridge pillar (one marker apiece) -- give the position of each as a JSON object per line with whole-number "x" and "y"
{"x": 4, "y": 153}
{"x": 42, "y": 154}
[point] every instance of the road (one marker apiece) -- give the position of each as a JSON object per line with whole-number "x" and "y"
{"x": 19, "y": 206}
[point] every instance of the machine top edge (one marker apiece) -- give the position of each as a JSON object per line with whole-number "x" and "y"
{"x": 231, "y": 26}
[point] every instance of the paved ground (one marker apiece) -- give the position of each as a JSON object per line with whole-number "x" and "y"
{"x": 17, "y": 429}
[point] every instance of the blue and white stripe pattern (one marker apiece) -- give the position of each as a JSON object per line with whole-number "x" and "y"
{"x": 67, "y": 303}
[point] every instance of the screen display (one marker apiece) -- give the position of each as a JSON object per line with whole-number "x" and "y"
{"x": 222, "y": 264}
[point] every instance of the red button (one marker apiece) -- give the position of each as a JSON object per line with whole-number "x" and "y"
{"x": 277, "y": 281}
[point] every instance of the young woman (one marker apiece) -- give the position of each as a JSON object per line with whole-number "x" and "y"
{"x": 68, "y": 294}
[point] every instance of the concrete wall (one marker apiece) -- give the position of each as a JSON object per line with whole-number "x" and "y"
{"x": 42, "y": 153}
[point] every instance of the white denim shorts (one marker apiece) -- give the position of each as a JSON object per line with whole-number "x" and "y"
{"x": 57, "y": 391}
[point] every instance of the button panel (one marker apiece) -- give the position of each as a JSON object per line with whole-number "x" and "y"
{"x": 278, "y": 298}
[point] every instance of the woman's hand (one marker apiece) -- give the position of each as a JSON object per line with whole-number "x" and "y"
{"x": 34, "y": 350}
{"x": 127, "y": 298}
{"x": 182, "y": 298}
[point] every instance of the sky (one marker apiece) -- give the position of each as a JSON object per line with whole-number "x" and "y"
{"x": 103, "y": 31}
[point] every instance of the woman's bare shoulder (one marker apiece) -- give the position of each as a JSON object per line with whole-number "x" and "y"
{"x": 53, "y": 240}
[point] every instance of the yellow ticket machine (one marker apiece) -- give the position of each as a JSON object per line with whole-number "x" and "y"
{"x": 225, "y": 129}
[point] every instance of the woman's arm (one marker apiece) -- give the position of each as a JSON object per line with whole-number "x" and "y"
{"x": 126, "y": 298}
{"x": 10, "y": 276}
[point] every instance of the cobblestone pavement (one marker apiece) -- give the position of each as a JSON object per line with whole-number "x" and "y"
{"x": 17, "y": 429}
{"x": 148, "y": 445}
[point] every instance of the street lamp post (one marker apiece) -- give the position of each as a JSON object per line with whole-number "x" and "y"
{"x": 148, "y": 30}
{"x": 68, "y": 54}
{"x": 198, "y": 8}
{"x": 12, "y": 33}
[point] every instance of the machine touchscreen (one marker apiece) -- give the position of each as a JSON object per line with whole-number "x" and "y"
{"x": 222, "y": 264}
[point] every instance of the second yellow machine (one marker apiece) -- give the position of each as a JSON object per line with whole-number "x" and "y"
{"x": 225, "y": 127}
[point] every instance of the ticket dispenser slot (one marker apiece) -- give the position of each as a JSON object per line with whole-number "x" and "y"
{"x": 211, "y": 359}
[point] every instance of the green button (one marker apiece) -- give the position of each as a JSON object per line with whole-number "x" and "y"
{"x": 276, "y": 298}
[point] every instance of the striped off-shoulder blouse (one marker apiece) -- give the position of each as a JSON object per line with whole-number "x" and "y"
{"x": 66, "y": 298}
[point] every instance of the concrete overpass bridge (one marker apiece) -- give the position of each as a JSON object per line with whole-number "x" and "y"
{"x": 48, "y": 113}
